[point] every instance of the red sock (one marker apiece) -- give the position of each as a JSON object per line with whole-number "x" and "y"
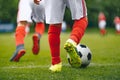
{"x": 19, "y": 35}
{"x": 103, "y": 31}
{"x": 118, "y": 31}
{"x": 54, "y": 42}
{"x": 40, "y": 28}
{"x": 79, "y": 28}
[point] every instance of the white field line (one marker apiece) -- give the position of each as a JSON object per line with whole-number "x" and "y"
{"x": 47, "y": 66}
{"x": 103, "y": 64}
{"x": 29, "y": 66}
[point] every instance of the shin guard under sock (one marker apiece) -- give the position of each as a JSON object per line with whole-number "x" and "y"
{"x": 54, "y": 42}
{"x": 79, "y": 28}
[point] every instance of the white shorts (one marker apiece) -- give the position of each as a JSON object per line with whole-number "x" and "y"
{"x": 102, "y": 24}
{"x": 117, "y": 26}
{"x": 28, "y": 9}
{"x": 54, "y": 10}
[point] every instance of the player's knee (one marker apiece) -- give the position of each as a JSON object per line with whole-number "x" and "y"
{"x": 57, "y": 25}
{"x": 22, "y": 23}
{"x": 85, "y": 19}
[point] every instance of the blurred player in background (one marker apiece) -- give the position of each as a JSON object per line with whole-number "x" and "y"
{"x": 27, "y": 29}
{"x": 54, "y": 10}
{"x": 64, "y": 26}
{"x": 26, "y": 10}
{"x": 102, "y": 23}
{"x": 117, "y": 24}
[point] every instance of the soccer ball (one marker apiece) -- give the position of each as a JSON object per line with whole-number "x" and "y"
{"x": 84, "y": 53}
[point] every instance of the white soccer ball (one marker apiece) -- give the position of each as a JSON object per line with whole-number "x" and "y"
{"x": 84, "y": 53}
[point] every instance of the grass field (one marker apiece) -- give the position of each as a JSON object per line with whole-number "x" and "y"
{"x": 105, "y": 64}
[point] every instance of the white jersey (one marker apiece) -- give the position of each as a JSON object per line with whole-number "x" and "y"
{"x": 54, "y": 10}
{"x": 28, "y": 9}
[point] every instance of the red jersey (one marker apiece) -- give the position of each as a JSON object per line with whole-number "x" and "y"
{"x": 117, "y": 20}
{"x": 101, "y": 16}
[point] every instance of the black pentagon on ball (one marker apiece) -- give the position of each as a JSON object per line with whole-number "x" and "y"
{"x": 83, "y": 46}
{"x": 89, "y": 56}
{"x": 79, "y": 53}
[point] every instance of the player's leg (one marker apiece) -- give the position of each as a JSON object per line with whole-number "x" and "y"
{"x": 54, "y": 43}
{"x": 102, "y": 25}
{"x": 79, "y": 28}
{"x": 54, "y": 17}
{"x": 38, "y": 17}
{"x": 78, "y": 10}
{"x": 19, "y": 39}
{"x": 24, "y": 15}
{"x": 39, "y": 30}
{"x": 75, "y": 37}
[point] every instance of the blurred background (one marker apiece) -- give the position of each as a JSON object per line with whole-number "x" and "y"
{"x": 111, "y": 9}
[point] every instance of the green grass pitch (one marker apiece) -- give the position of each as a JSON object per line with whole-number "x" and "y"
{"x": 105, "y": 64}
